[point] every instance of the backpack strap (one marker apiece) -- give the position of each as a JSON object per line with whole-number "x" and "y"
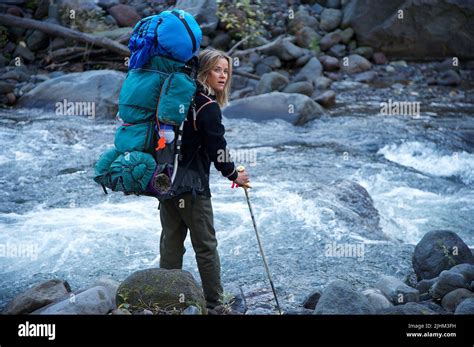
{"x": 195, "y": 113}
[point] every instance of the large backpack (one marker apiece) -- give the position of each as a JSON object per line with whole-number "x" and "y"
{"x": 154, "y": 101}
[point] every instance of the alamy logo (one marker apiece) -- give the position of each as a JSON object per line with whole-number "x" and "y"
{"x": 37, "y": 330}
{"x": 76, "y": 108}
{"x": 400, "y": 108}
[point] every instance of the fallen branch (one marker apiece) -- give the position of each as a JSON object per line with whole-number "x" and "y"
{"x": 59, "y": 30}
{"x": 234, "y": 47}
{"x": 246, "y": 74}
{"x": 266, "y": 47}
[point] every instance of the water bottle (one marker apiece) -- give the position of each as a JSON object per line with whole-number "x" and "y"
{"x": 167, "y": 131}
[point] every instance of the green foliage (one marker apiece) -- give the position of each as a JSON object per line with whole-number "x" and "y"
{"x": 242, "y": 18}
{"x": 31, "y": 4}
{"x": 314, "y": 45}
{"x": 227, "y": 300}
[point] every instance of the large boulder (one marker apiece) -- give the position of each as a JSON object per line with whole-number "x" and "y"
{"x": 99, "y": 91}
{"x": 447, "y": 282}
{"x": 429, "y": 29}
{"x": 38, "y": 296}
{"x": 354, "y": 63}
{"x": 95, "y": 300}
{"x": 297, "y": 109}
{"x": 270, "y": 82}
{"x": 340, "y": 298}
{"x": 439, "y": 250}
{"x": 397, "y": 291}
{"x": 163, "y": 288}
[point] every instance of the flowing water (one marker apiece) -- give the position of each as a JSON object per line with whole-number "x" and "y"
{"x": 55, "y": 222}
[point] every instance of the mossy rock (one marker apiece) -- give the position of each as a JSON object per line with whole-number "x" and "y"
{"x": 162, "y": 289}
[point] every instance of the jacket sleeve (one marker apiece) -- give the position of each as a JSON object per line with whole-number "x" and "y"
{"x": 212, "y": 130}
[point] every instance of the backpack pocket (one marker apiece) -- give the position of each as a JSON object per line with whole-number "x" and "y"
{"x": 135, "y": 137}
{"x": 175, "y": 98}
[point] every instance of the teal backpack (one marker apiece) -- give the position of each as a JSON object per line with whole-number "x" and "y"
{"x": 154, "y": 102}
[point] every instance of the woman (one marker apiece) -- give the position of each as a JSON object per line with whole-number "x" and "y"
{"x": 203, "y": 143}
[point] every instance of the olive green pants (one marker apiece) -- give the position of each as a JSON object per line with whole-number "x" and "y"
{"x": 177, "y": 216}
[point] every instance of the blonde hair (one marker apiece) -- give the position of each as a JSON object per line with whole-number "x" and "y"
{"x": 208, "y": 59}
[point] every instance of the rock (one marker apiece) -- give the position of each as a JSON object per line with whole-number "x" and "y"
{"x": 424, "y": 285}
{"x": 114, "y": 34}
{"x": 439, "y": 250}
{"x": 310, "y": 72}
{"x": 379, "y": 58}
{"x": 239, "y": 304}
{"x": 120, "y": 311}
{"x": 301, "y": 20}
{"x": 111, "y": 285}
{"x": 340, "y": 298}
{"x": 329, "y": 63}
{"x": 305, "y": 88}
{"x": 191, "y": 311}
{"x": 466, "y": 270}
{"x": 465, "y": 307}
{"x": 366, "y": 52}
{"x": 204, "y": 11}
{"x": 3, "y": 61}
{"x": 326, "y": 99}
{"x": 337, "y": 51}
{"x": 11, "y": 98}
{"x": 38, "y": 296}
{"x": 397, "y": 291}
{"x": 99, "y": 88}
{"x": 322, "y": 82}
{"x": 261, "y": 69}
{"x": 126, "y": 16}
{"x": 221, "y": 41}
{"x": 347, "y": 85}
{"x": 330, "y": 19}
{"x": 330, "y": 40}
{"x": 376, "y": 299}
{"x": 346, "y": 35}
{"x": 298, "y": 312}
{"x": 433, "y": 307}
{"x": 272, "y": 61}
{"x": 6, "y": 87}
{"x": 426, "y": 30}
{"x": 366, "y": 76}
{"x": 453, "y": 299}
{"x": 312, "y": 300}
{"x": 17, "y": 74}
{"x": 333, "y": 3}
{"x": 24, "y": 52}
{"x": 88, "y": 17}
{"x": 449, "y": 78}
{"x": 95, "y": 300}
{"x": 161, "y": 287}
{"x": 270, "y": 82}
{"x": 307, "y": 38}
{"x": 303, "y": 60}
{"x": 37, "y": 40}
{"x": 108, "y": 3}
{"x": 447, "y": 282}
{"x": 297, "y": 109}
{"x": 410, "y": 308}
{"x": 354, "y": 63}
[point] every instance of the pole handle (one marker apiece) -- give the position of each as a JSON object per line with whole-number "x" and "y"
{"x": 241, "y": 168}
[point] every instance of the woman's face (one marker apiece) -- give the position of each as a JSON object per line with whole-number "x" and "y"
{"x": 217, "y": 77}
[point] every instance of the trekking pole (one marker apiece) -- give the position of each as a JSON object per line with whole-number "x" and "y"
{"x": 240, "y": 169}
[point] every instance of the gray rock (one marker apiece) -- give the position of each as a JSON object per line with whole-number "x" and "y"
{"x": 366, "y": 52}
{"x": 449, "y": 78}
{"x": 397, "y": 291}
{"x": 272, "y": 61}
{"x": 326, "y": 99}
{"x": 322, "y": 83}
{"x": 340, "y": 298}
{"x": 330, "y": 19}
{"x": 301, "y": 311}
{"x": 221, "y": 41}
{"x": 307, "y": 38}
{"x": 312, "y": 300}
{"x": 410, "y": 308}
{"x": 239, "y": 304}
{"x": 286, "y": 50}
{"x": 465, "y": 307}
{"x": 24, "y": 52}
{"x": 447, "y": 282}
{"x": 261, "y": 69}
{"x": 453, "y": 299}
{"x": 439, "y": 250}
{"x": 303, "y": 60}
{"x": 365, "y": 77}
{"x": 347, "y": 85}
{"x": 111, "y": 285}
{"x": 6, "y": 87}
{"x": 379, "y": 58}
{"x": 161, "y": 287}
{"x": 329, "y": 63}
{"x": 101, "y": 87}
{"x": 424, "y": 285}
{"x": 191, "y": 311}
{"x": 270, "y": 82}
{"x": 40, "y": 295}
{"x": 330, "y": 40}
{"x": 37, "y": 40}
{"x": 376, "y": 299}
{"x": 346, "y": 35}
{"x": 204, "y": 11}
{"x": 305, "y": 88}
{"x": 467, "y": 270}
{"x": 301, "y": 20}
{"x": 17, "y": 74}
{"x": 310, "y": 72}
{"x": 333, "y": 3}
{"x": 338, "y": 51}
{"x": 94, "y": 301}
{"x": 424, "y": 34}
{"x": 433, "y": 307}
{"x": 125, "y": 16}
{"x": 355, "y": 63}
{"x": 297, "y": 109}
